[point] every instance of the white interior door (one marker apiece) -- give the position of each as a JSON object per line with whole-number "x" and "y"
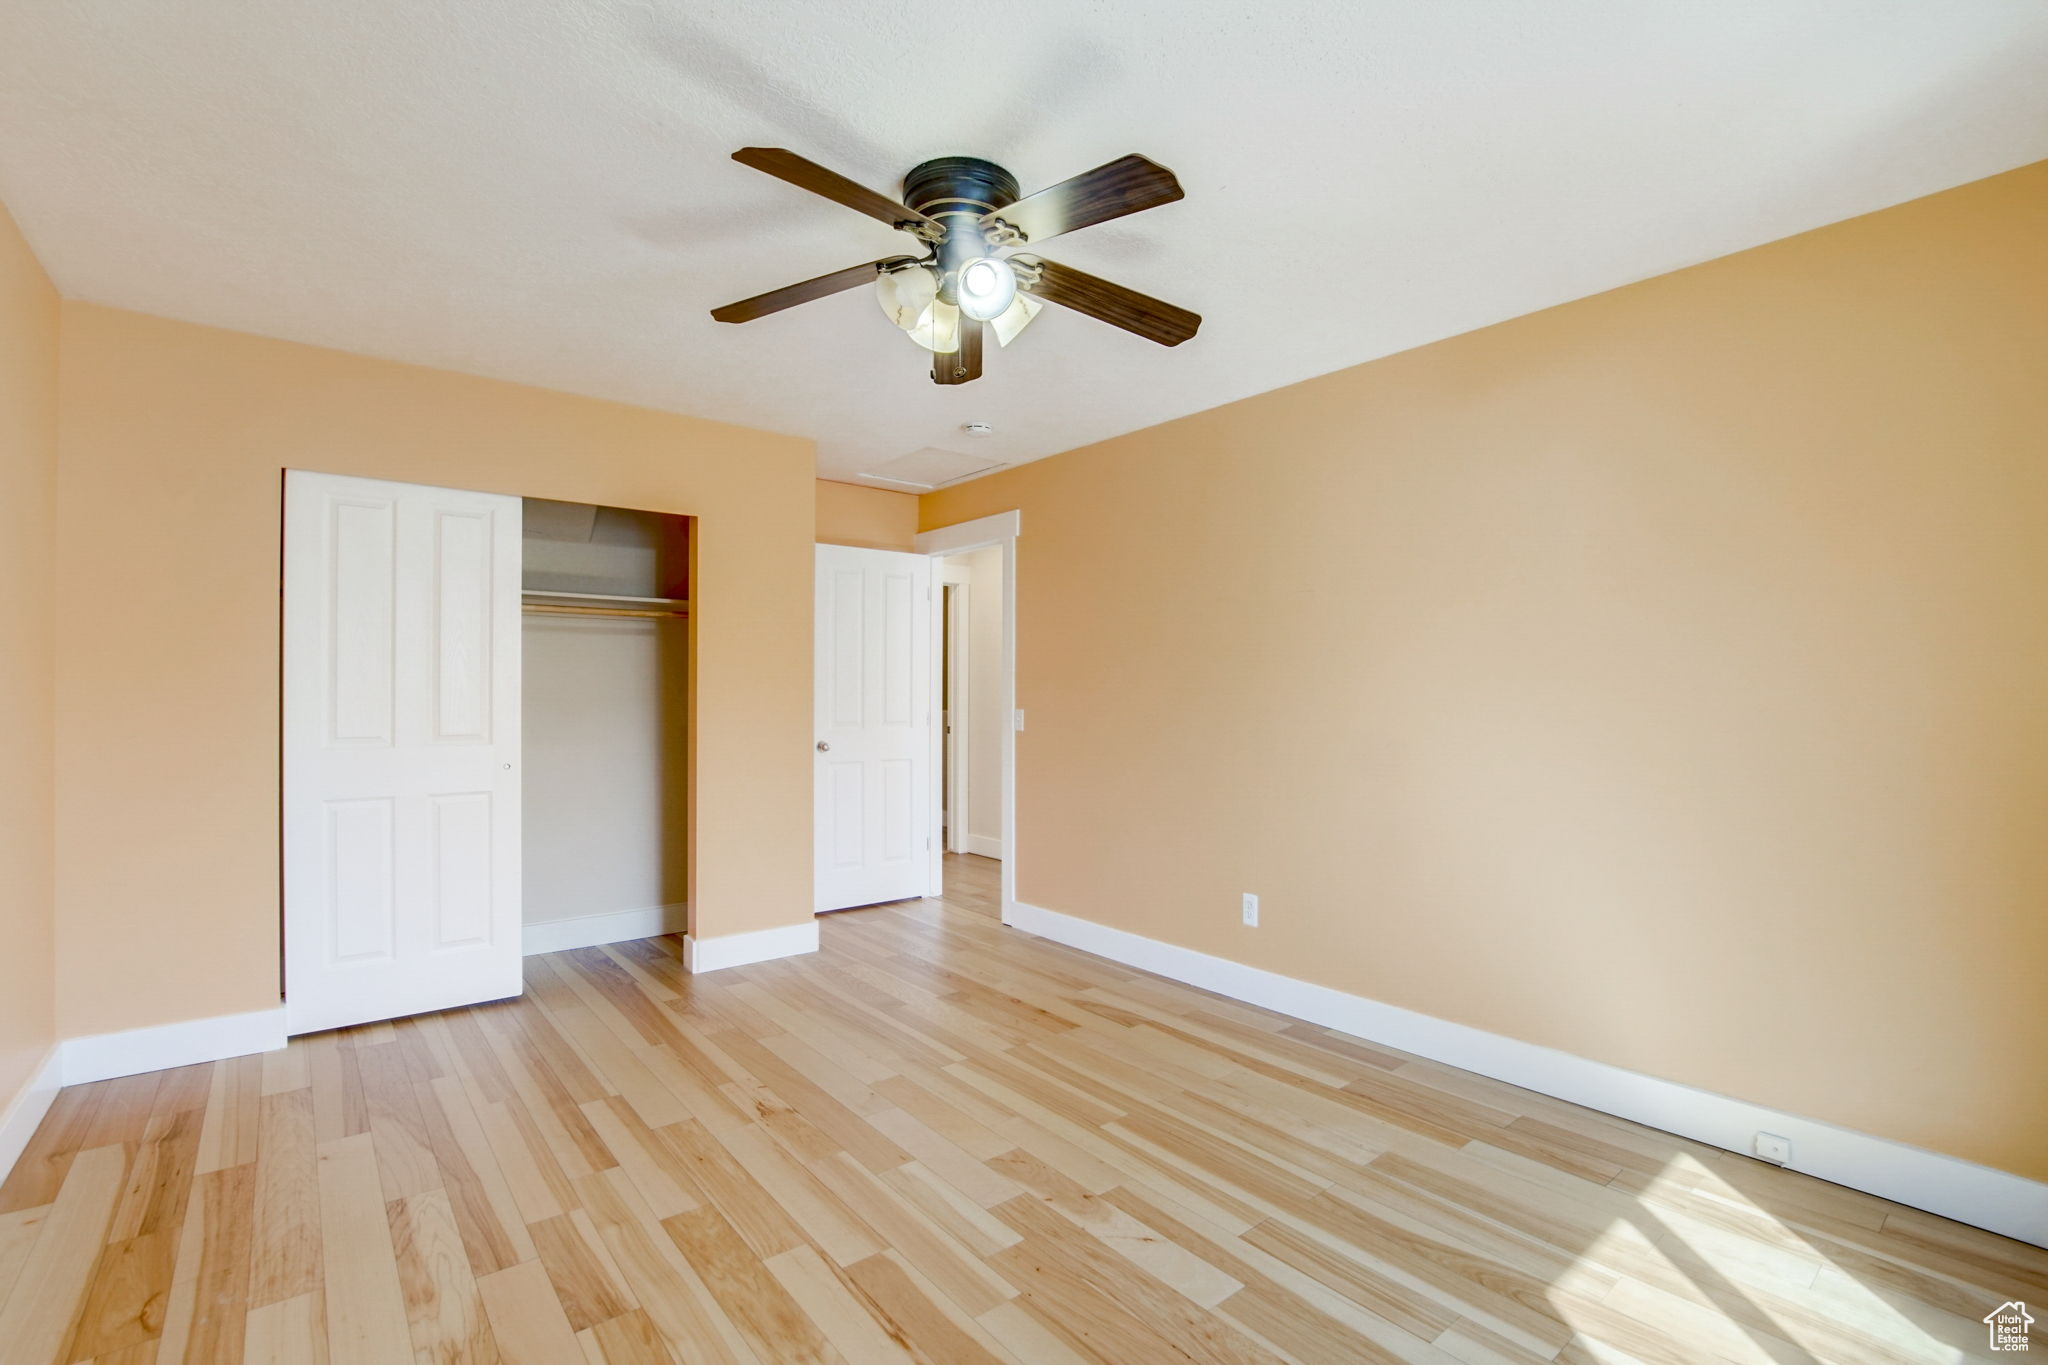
{"x": 874, "y": 726}
{"x": 401, "y": 749}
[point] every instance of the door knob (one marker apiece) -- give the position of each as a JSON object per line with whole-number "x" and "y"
{"x": 823, "y": 747}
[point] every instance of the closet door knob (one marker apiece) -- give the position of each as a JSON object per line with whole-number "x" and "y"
{"x": 823, "y": 747}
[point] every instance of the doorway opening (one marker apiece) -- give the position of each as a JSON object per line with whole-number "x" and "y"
{"x": 974, "y": 690}
{"x": 604, "y": 607}
{"x": 972, "y": 720}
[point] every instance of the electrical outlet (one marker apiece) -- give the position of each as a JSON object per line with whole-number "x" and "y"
{"x": 1251, "y": 910}
{"x": 1017, "y": 719}
{"x": 1774, "y": 1149}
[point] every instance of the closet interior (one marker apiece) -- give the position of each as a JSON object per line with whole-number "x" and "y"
{"x": 605, "y": 607}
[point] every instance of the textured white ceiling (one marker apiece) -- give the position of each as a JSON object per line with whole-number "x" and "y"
{"x": 539, "y": 189}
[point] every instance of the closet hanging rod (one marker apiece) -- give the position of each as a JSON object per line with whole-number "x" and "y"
{"x": 561, "y": 609}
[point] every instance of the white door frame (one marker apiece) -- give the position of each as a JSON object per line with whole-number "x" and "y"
{"x": 1001, "y": 529}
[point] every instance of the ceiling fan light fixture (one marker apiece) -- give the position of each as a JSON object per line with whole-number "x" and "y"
{"x": 1013, "y": 319}
{"x": 963, "y": 272}
{"x": 986, "y": 286}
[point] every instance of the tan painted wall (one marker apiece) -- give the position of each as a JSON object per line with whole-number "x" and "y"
{"x": 1662, "y": 677}
{"x": 874, "y": 518}
{"x": 173, "y": 439}
{"x": 28, "y": 470}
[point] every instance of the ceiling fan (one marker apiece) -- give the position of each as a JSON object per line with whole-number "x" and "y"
{"x": 967, "y": 212}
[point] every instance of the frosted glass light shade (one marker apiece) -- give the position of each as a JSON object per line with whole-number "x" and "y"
{"x": 938, "y": 328}
{"x": 1013, "y": 319}
{"x": 906, "y": 294}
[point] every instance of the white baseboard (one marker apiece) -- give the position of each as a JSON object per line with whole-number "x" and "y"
{"x": 1979, "y": 1195}
{"x": 20, "y": 1115}
{"x": 760, "y": 945}
{"x": 107, "y": 1055}
{"x": 987, "y": 845}
{"x": 588, "y": 931}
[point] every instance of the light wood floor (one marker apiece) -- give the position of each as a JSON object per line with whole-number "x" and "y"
{"x": 935, "y": 1140}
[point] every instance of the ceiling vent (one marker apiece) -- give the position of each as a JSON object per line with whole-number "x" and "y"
{"x": 931, "y": 468}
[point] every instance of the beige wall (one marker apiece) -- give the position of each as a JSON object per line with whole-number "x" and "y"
{"x": 1660, "y": 677}
{"x": 28, "y": 454}
{"x": 173, "y": 439}
{"x": 603, "y": 762}
{"x": 874, "y": 518}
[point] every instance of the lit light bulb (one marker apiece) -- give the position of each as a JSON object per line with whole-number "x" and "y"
{"x": 986, "y": 287}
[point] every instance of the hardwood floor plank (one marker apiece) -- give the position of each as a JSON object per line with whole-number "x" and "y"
{"x": 442, "y": 1304}
{"x": 128, "y": 1298}
{"x": 826, "y": 1221}
{"x": 40, "y": 1169}
{"x": 50, "y": 1292}
{"x": 705, "y": 1167}
{"x": 231, "y": 1134}
{"x": 772, "y": 1321}
{"x": 493, "y": 1233}
{"x": 631, "y": 1339}
{"x": 287, "y": 1332}
{"x": 1086, "y": 1294}
{"x": 160, "y": 1176}
{"x": 841, "y": 1316}
{"x": 669, "y": 1290}
{"x": 18, "y": 1233}
{"x": 1029, "y": 1341}
{"x": 217, "y": 1325}
{"x": 584, "y": 1281}
{"x": 916, "y": 1312}
{"x": 907, "y": 1231}
{"x": 366, "y": 1314}
{"x": 640, "y": 1152}
{"x": 526, "y": 1318}
{"x": 286, "y": 1239}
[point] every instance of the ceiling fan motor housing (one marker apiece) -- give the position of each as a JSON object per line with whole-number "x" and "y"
{"x": 958, "y": 190}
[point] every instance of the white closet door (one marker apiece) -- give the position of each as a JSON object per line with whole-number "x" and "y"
{"x": 401, "y": 749}
{"x": 874, "y": 717}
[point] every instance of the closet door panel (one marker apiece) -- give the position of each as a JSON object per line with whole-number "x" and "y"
{"x": 360, "y": 879}
{"x": 463, "y": 870}
{"x": 360, "y": 618}
{"x": 874, "y": 719}
{"x": 401, "y": 749}
{"x": 462, "y": 627}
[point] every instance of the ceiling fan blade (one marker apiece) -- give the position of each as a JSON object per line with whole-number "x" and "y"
{"x": 1151, "y": 318}
{"x": 790, "y": 295}
{"x": 1126, "y": 185}
{"x": 964, "y": 364}
{"x": 809, "y": 175}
